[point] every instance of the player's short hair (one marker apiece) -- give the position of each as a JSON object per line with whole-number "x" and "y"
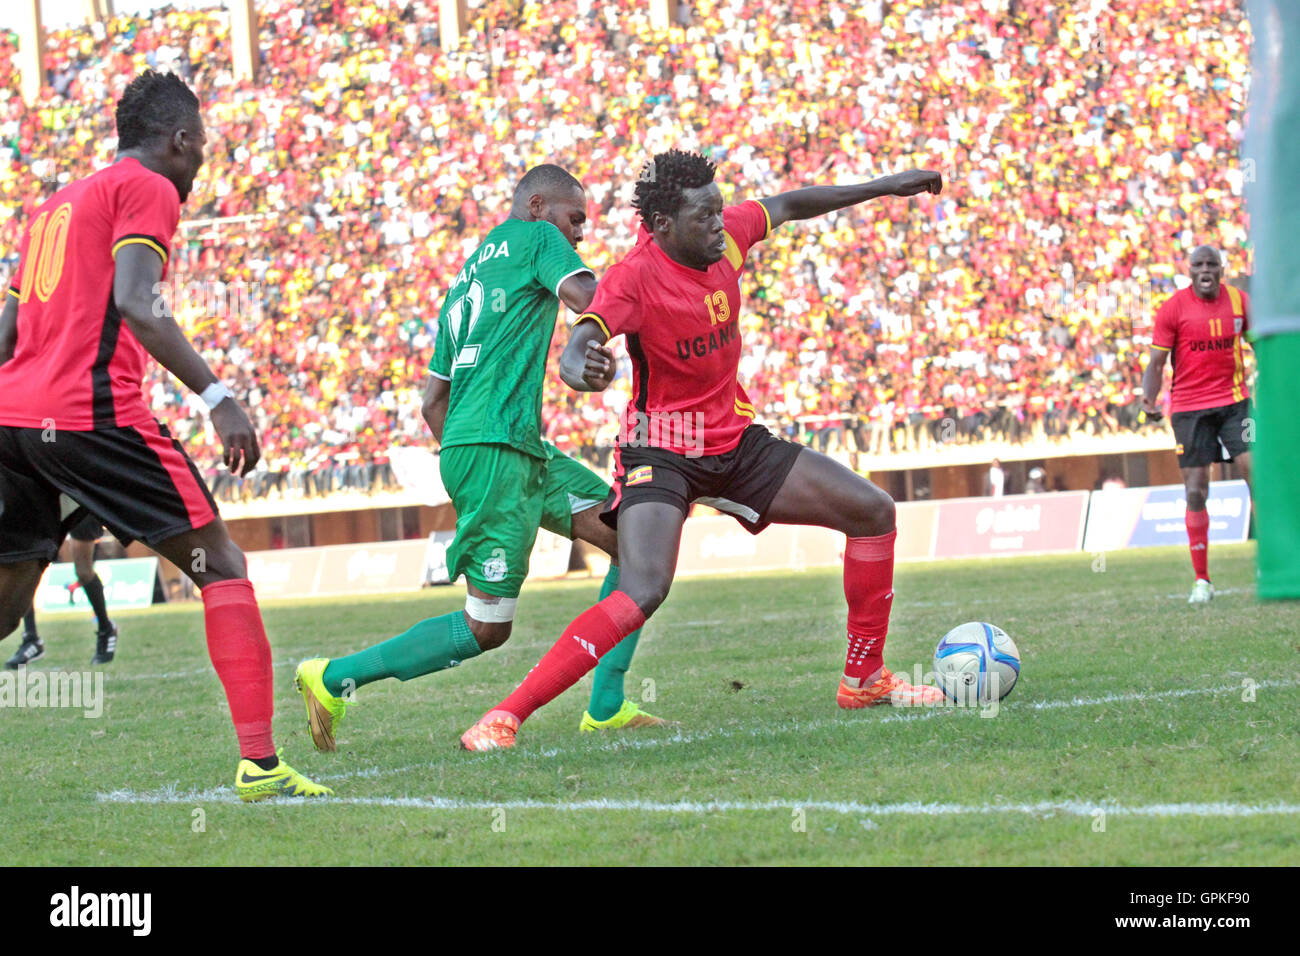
{"x": 152, "y": 105}
{"x": 546, "y": 178}
{"x": 662, "y": 180}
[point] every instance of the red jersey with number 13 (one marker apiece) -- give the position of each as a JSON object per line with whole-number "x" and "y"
{"x": 76, "y": 365}
{"x": 683, "y": 335}
{"x": 1205, "y": 341}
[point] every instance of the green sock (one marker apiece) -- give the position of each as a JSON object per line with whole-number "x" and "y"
{"x": 432, "y": 645}
{"x": 607, "y": 691}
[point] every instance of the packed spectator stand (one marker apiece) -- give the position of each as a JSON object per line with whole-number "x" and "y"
{"x": 1087, "y": 146}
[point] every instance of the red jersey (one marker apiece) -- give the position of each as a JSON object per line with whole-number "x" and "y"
{"x": 683, "y": 335}
{"x": 1205, "y": 339}
{"x": 76, "y": 364}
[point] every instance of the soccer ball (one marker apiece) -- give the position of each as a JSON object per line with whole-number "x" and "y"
{"x": 976, "y": 663}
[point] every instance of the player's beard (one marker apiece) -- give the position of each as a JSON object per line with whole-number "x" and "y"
{"x": 711, "y": 255}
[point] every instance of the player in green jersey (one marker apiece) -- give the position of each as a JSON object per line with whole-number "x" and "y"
{"x": 483, "y": 403}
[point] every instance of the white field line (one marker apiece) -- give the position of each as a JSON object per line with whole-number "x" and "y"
{"x": 169, "y": 794}
{"x": 1074, "y": 808}
{"x": 1156, "y": 695}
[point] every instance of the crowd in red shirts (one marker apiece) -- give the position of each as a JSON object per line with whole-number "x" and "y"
{"x": 1087, "y": 146}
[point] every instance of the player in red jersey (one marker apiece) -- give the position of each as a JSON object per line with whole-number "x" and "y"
{"x": 1203, "y": 328}
{"x": 76, "y": 437}
{"x": 689, "y": 435}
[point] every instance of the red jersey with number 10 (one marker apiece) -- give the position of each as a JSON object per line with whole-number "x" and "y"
{"x": 76, "y": 365}
{"x": 1205, "y": 341}
{"x": 683, "y": 335}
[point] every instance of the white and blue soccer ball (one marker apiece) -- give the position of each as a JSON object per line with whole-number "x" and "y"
{"x": 976, "y": 663}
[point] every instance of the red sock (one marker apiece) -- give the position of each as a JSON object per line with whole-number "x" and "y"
{"x": 242, "y": 656}
{"x": 869, "y": 588}
{"x": 592, "y": 634}
{"x": 1198, "y": 542}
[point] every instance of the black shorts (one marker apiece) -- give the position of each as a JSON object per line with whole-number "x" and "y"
{"x": 87, "y": 529}
{"x": 137, "y": 481}
{"x": 1208, "y": 435}
{"x": 742, "y": 482}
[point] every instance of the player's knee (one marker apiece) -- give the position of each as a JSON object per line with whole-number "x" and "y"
{"x": 220, "y": 562}
{"x": 85, "y": 574}
{"x": 883, "y": 510}
{"x": 217, "y": 570}
{"x": 489, "y": 636}
{"x": 647, "y": 595}
{"x": 649, "y": 601}
{"x": 490, "y": 619}
{"x": 875, "y": 515}
{"x": 1196, "y": 497}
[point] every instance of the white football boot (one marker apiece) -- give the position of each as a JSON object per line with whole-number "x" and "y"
{"x": 1202, "y": 593}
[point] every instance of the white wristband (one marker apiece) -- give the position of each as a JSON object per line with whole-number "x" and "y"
{"x": 215, "y": 394}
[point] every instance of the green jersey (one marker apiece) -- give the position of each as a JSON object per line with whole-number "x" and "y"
{"x": 494, "y": 332}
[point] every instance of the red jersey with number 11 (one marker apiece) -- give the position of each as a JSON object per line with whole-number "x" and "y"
{"x": 1205, "y": 341}
{"x": 76, "y": 365}
{"x": 683, "y": 335}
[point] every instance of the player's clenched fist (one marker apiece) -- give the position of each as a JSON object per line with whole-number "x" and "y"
{"x": 598, "y": 371}
{"x": 916, "y": 181}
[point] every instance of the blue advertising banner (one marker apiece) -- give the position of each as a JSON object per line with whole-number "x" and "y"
{"x": 1148, "y": 517}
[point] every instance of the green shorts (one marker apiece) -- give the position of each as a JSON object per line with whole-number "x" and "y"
{"x": 502, "y": 496}
{"x": 571, "y": 487}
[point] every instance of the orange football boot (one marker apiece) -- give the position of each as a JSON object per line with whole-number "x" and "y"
{"x": 492, "y": 732}
{"x": 888, "y": 688}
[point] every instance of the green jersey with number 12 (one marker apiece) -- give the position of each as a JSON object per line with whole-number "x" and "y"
{"x": 494, "y": 332}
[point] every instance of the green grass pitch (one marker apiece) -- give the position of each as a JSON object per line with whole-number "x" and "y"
{"x": 1143, "y": 731}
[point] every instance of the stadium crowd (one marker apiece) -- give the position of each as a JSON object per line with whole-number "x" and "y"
{"x": 345, "y": 185}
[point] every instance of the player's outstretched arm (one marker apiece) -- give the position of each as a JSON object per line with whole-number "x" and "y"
{"x": 8, "y": 328}
{"x": 586, "y": 365}
{"x": 819, "y": 200}
{"x": 1151, "y": 380}
{"x": 136, "y": 281}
